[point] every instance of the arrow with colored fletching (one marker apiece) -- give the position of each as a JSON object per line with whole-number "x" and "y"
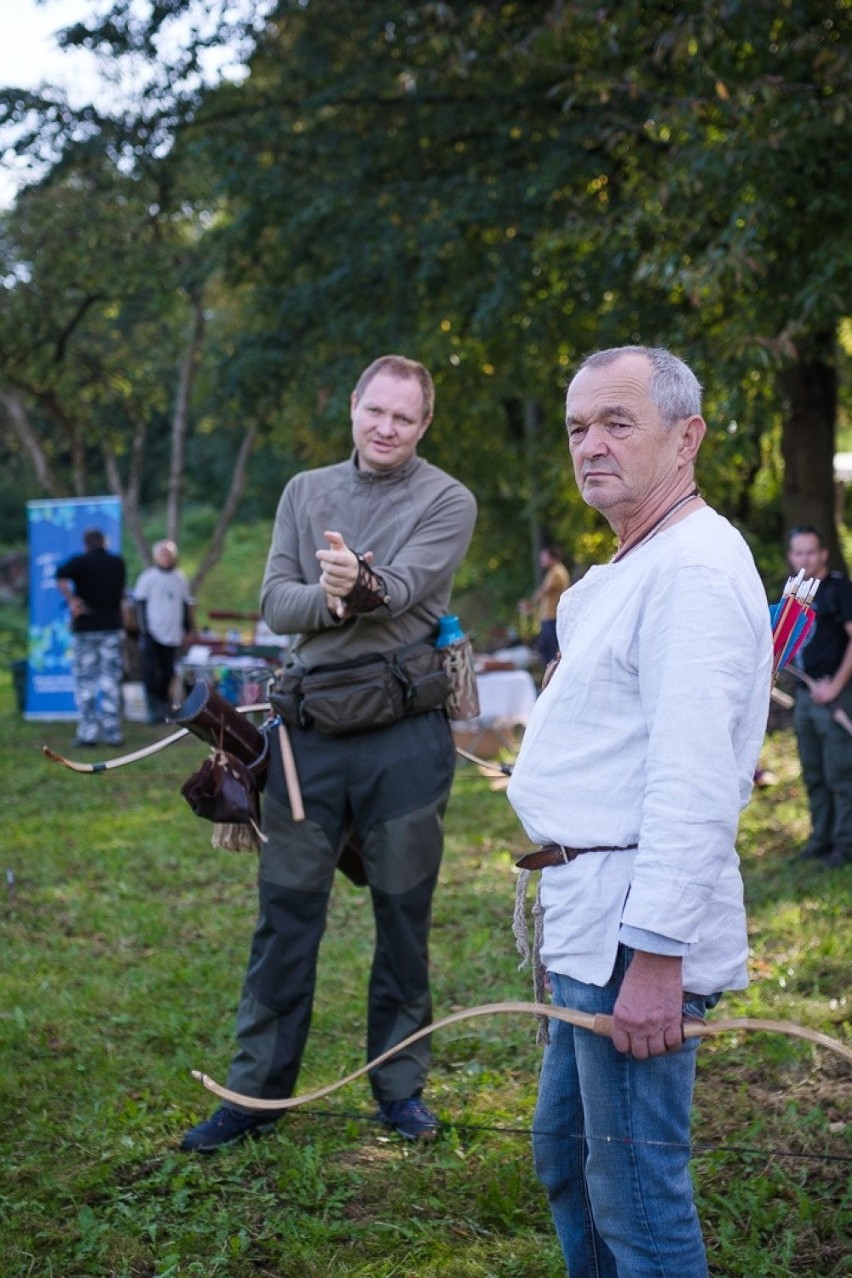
{"x": 793, "y": 619}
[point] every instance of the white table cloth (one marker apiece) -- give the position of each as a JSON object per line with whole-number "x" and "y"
{"x": 506, "y": 698}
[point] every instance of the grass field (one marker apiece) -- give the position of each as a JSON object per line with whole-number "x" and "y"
{"x": 124, "y": 936}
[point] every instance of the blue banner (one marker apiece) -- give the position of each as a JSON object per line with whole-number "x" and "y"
{"x": 56, "y": 530}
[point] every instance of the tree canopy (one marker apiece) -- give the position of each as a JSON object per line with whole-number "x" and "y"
{"x": 494, "y": 188}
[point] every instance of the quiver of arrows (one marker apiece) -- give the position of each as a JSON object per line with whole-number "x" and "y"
{"x": 226, "y": 788}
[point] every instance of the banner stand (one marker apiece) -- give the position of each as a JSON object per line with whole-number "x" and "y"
{"x": 56, "y": 530}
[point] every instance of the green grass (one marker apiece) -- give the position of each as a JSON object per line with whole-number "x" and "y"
{"x": 124, "y": 936}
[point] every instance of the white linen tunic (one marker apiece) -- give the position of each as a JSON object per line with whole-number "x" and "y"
{"x": 649, "y": 733}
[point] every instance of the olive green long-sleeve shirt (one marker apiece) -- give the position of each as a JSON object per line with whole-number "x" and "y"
{"x": 417, "y": 521}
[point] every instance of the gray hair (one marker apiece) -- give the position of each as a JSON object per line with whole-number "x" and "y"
{"x": 674, "y": 389}
{"x": 168, "y": 546}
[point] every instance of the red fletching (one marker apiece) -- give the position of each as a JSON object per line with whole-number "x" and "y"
{"x": 793, "y": 619}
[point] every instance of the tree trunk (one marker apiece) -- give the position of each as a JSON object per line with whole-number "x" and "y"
{"x": 809, "y": 390}
{"x": 226, "y": 515}
{"x": 31, "y": 445}
{"x": 532, "y": 419}
{"x": 129, "y": 502}
{"x": 180, "y": 420}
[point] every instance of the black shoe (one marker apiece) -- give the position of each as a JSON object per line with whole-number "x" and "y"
{"x": 410, "y": 1118}
{"x": 836, "y": 858}
{"x": 224, "y": 1127}
{"x": 77, "y": 744}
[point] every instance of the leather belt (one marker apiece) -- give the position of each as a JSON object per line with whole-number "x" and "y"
{"x": 557, "y": 854}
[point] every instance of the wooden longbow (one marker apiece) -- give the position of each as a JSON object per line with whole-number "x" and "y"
{"x": 598, "y": 1024}
{"x": 262, "y": 707}
{"x": 119, "y": 761}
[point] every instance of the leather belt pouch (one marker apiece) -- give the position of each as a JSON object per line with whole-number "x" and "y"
{"x": 361, "y": 695}
{"x": 421, "y": 671}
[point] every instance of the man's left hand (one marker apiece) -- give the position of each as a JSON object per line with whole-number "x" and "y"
{"x": 648, "y": 1014}
{"x": 339, "y": 572}
{"x": 824, "y": 691}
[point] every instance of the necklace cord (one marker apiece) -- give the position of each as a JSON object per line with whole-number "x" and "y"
{"x": 655, "y": 527}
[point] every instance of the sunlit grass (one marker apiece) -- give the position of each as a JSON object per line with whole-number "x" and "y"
{"x": 124, "y": 936}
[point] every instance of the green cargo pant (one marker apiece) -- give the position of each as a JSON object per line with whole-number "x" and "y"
{"x": 391, "y": 788}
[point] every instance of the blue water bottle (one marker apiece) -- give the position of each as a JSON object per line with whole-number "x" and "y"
{"x": 449, "y": 631}
{"x": 456, "y": 651}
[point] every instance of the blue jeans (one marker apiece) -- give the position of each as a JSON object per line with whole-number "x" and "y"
{"x": 611, "y": 1145}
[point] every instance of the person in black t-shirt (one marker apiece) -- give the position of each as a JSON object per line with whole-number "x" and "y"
{"x": 93, "y": 585}
{"x": 824, "y": 702}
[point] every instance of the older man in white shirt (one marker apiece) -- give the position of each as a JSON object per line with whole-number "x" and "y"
{"x": 165, "y": 613}
{"x": 634, "y": 768}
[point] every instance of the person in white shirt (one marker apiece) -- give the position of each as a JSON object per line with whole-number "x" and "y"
{"x": 165, "y": 616}
{"x": 635, "y": 765}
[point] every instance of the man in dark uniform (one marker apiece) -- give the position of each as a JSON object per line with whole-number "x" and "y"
{"x": 93, "y": 586}
{"x": 824, "y": 702}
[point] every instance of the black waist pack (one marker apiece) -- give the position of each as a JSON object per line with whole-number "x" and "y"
{"x": 360, "y": 696}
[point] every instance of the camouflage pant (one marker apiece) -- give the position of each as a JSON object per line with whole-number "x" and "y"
{"x": 97, "y": 673}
